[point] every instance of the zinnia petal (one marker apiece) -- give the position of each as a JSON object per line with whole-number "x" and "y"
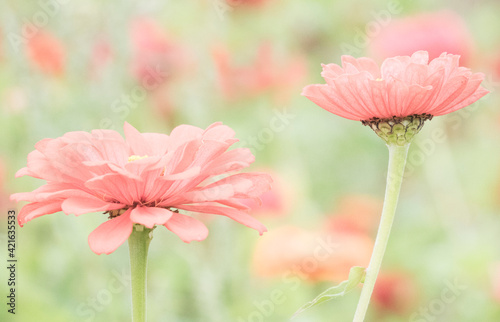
{"x": 83, "y": 205}
{"x": 37, "y": 209}
{"x": 187, "y": 228}
{"x": 236, "y": 215}
{"x": 106, "y": 238}
{"x": 138, "y": 144}
{"x": 150, "y": 216}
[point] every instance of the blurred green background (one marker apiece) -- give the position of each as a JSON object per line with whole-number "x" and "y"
{"x": 67, "y": 66}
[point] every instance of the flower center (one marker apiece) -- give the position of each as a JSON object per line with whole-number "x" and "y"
{"x": 398, "y": 130}
{"x": 115, "y": 213}
{"x": 136, "y": 157}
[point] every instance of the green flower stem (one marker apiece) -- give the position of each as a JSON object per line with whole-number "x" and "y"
{"x": 397, "y": 162}
{"x": 138, "y": 243}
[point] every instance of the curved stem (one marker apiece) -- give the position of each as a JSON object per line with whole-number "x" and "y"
{"x": 397, "y": 162}
{"x": 138, "y": 243}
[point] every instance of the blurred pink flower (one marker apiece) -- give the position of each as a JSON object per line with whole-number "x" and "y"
{"x": 156, "y": 57}
{"x": 101, "y": 55}
{"x": 494, "y": 64}
{"x": 435, "y": 32}
{"x": 395, "y": 292}
{"x": 357, "y": 214}
{"x": 495, "y": 281}
{"x": 273, "y": 203}
{"x": 402, "y": 86}
{"x": 47, "y": 53}
{"x": 144, "y": 179}
{"x": 313, "y": 255}
{"x": 237, "y": 3}
{"x": 265, "y": 73}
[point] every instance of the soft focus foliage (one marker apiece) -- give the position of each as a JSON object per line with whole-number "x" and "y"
{"x": 158, "y": 64}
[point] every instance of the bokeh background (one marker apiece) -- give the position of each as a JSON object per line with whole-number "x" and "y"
{"x": 67, "y": 66}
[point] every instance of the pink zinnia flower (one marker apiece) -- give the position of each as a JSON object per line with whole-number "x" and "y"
{"x": 435, "y": 32}
{"x": 401, "y": 87}
{"x": 145, "y": 179}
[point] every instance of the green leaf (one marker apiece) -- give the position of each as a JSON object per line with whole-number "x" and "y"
{"x": 356, "y": 276}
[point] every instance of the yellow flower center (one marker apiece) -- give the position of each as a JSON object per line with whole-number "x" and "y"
{"x": 136, "y": 157}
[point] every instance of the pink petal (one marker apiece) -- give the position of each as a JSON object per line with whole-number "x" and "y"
{"x": 42, "y": 144}
{"x": 232, "y": 160}
{"x": 210, "y": 149}
{"x": 240, "y": 204}
{"x": 182, "y": 134}
{"x": 467, "y": 95}
{"x": 325, "y": 98}
{"x": 140, "y": 166}
{"x": 84, "y": 205}
{"x": 37, "y": 209}
{"x": 160, "y": 146}
{"x": 241, "y": 185}
{"x": 138, "y": 144}
{"x": 420, "y": 57}
{"x": 189, "y": 173}
{"x": 218, "y": 132}
{"x": 236, "y": 215}
{"x": 380, "y": 100}
{"x": 112, "y": 150}
{"x": 392, "y": 68}
{"x": 187, "y": 228}
{"x": 397, "y": 94}
{"x": 348, "y": 60}
{"x": 214, "y": 193}
{"x": 416, "y": 73}
{"x": 51, "y": 192}
{"x": 182, "y": 156}
{"x": 331, "y": 71}
{"x": 106, "y": 238}
{"x": 416, "y": 94}
{"x": 369, "y": 65}
{"x": 347, "y": 91}
{"x": 358, "y": 86}
{"x": 40, "y": 167}
{"x": 451, "y": 89}
{"x": 473, "y": 98}
{"x": 150, "y": 216}
{"x": 23, "y": 172}
{"x": 125, "y": 189}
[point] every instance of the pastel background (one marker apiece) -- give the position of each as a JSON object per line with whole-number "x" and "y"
{"x": 67, "y": 66}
